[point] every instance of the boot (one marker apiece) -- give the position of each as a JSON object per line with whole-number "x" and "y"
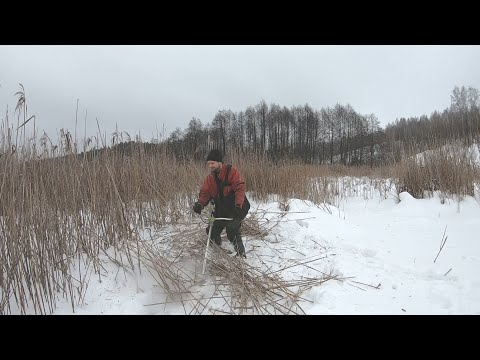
{"x": 239, "y": 247}
{"x": 216, "y": 240}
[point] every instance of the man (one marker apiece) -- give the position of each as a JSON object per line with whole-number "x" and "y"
{"x": 226, "y": 187}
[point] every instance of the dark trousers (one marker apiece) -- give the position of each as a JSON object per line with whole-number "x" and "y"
{"x": 233, "y": 233}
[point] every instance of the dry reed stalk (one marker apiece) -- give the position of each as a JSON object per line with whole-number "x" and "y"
{"x": 61, "y": 211}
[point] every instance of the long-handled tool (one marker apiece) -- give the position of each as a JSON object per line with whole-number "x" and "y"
{"x": 211, "y": 220}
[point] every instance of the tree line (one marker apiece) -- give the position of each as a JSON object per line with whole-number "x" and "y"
{"x": 332, "y": 135}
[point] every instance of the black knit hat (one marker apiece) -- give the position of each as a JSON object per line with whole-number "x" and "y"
{"x": 215, "y": 155}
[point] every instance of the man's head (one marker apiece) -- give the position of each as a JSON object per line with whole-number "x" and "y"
{"x": 214, "y": 160}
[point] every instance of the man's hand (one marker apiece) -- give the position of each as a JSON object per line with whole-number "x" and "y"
{"x": 197, "y": 207}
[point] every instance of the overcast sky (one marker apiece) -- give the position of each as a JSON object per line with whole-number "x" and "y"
{"x": 143, "y": 88}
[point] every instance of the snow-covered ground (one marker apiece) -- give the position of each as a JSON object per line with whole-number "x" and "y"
{"x": 382, "y": 249}
{"x": 452, "y": 151}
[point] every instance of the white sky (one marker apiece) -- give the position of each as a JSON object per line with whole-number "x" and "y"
{"x": 142, "y": 88}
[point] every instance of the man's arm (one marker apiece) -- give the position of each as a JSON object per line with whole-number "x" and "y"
{"x": 238, "y": 186}
{"x": 204, "y": 196}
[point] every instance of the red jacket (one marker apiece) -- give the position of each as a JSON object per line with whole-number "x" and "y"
{"x": 234, "y": 183}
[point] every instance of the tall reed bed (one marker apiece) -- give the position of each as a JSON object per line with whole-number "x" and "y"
{"x": 61, "y": 208}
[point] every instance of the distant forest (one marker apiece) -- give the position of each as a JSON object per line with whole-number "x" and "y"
{"x": 332, "y": 135}
{"x": 329, "y": 135}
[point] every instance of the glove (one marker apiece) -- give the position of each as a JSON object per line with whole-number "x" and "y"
{"x": 197, "y": 207}
{"x": 237, "y": 211}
